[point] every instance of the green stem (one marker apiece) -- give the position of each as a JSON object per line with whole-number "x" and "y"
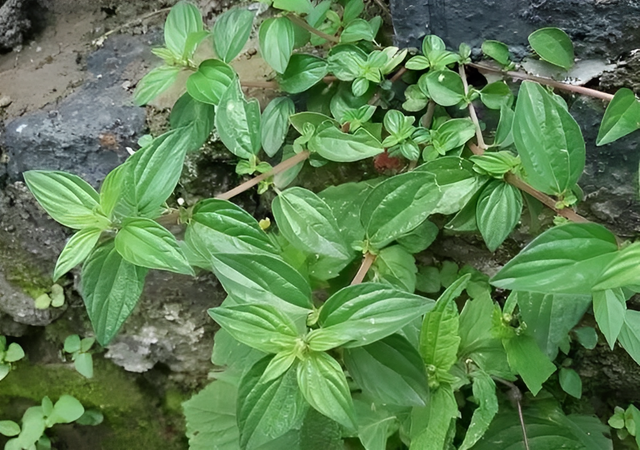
{"x": 472, "y": 110}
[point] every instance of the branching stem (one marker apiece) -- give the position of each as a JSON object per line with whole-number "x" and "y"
{"x": 99, "y": 40}
{"x": 303, "y": 24}
{"x": 472, "y": 110}
{"x": 367, "y": 261}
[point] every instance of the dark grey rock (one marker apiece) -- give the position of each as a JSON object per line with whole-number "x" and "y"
{"x": 599, "y": 28}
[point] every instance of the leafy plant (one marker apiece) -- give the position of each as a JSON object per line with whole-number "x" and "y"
{"x": 79, "y": 350}
{"x": 373, "y": 362}
{"x": 8, "y": 355}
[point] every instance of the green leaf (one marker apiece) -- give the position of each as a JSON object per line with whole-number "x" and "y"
{"x": 398, "y": 205}
{"x": 275, "y": 124}
{"x": 277, "y": 40}
{"x": 13, "y": 353}
{"x": 111, "y": 288}
{"x": 357, "y": 30}
{"x": 566, "y": 259}
{"x": 375, "y": 423}
{"x": 183, "y": 19}
{"x": 232, "y": 354}
{"x": 9, "y": 428}
{"x": 76, "y": 250}
{"x": 553, "y": 45}
{"x": 629, "y": 336}
{"x": 324, "y": 386}
{"x": 262, "y": 327}
{"x": 430, "y": 425}
{"x": 504, "y": 133}
{"x": 445, "y": 87}
{"x": 548, "y": 140}
{"x": 231, "y": 32}
{"x": 621, "y": 117}
{"x": 419, "y": 238}
{"x": 622, "y": 270}
{"x": 335, "y": 145}
{"x": 313, "y": 119}
{"x": 298, "y": 6}
{"x": 497, "y": 51}
{"x": 118, "y": 193}
{"x": 452, "y": 134}
{"x": 302, "y": 73}
{"x": 211, "y": 81}
{"x": 146, "y": 243}
{"x": 91, "y": 417}
{"x": 352, "y": 10}
{"x": 496, "y": 95}
{"x": 550, "y": 318}
{"x": 306, "y": 221}
{"x": 570, "y": 382}
{"x": 345, "y": 201}
{"x": 238, "y": 125}
{"x": 498, "y": 212}
{"x": 33, "y": 426}
{"x": 155, "y": 83}
{"x": 397, "y": 267}
{"x": 362, "y": 314}
{"x": 84, "y": 364}
{"x": 66, "y": 410}
{"x": 72, "y": 343}
{"x": 609, "y": 309}
{"x": 268, "y": 410}
{"x": 390, "y": 370}
{"x": 528, "y": 361}
{"x": 587, "y": 336}
{"x": 495, "y": 164}
{"x": 67, "y": 198}
{"x": 4, "y": 370}
{"x": 484, "y": 392}
{"x": 197, "y": 116}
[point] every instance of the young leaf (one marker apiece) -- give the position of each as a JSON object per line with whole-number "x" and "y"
{"x": 357, "y": 30}
{"x": 183, "y": 19}
{"x": 72, "y": 344}
{"x": 211, "y": 81}
{"x": 324, "y": 386}
{"x": 397, "y": 267}
{"x": 548, "y": 140}
{"x": 111, "y": 288}
{"x": 553, "y": 45}
{"x": 76, "y": 250}
{"x": 302, "y": 73}
{"x": 587, "y": 337}
{"x": 570, "y": 382}
{"x": 390, "y": 370}
{"x": 277, "y": 39}
{"x": 622, "y": 270}
{"x": 267, "y": 410}
{"x": 146, "y": 243}
{"x": 9, "y": 428}
{"x": 528, "y": 361}
{"x": 238, "y": 124}
{"x": 484, "y": 391}
{"x": 298, "y": 6}
{"x": 67, "y": 198}
{"x": 452, "y": 134}
{"x": 155, "y": 83}
{"x": 445, "y": 87}
{"x": 498, "y": 212}
{"x": 118, "y": 193}
{"x": 621, "y": 117}
{"x": 495, "y": 95}
{"x": 231, "y": 32}
{"x": 609, "y": 308}
{"x": 565, "y": 259}
{"x": 361, "y": 314}
{"x": 262, "y": 327}
{"x": 14, "y": 353}
{"x": 33, "y": 426}
{"x": 497, "y": 51}
{"x": 66, "y": 410}
{"x": 275, "y": 124}
{"x": 629, "y": 336}
{"x": 308, "y": 223}
{"x": 335, "y": 145}
{"x": 84, "y": 364}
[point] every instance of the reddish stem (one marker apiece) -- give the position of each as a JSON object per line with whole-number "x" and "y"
{"x": 367, "y": 261}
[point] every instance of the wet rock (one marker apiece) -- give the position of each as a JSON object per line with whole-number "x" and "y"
{"x": 598, "y": 28}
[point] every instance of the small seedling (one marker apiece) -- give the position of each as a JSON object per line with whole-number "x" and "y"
{"x": 79, "y": 350}
{"x": 8, "y": 355}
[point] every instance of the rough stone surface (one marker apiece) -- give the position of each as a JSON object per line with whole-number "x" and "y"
{"x": 14, "y": 22}
{"x": 598, "y": 28}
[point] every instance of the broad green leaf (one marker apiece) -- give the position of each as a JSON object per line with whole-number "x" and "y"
{"x": 389, "y": 370}
{"x": 361, "y": 314}
{"x": 419, "y": 238}
{"x": 33, "y": 426}
{"x": 497, "y": 51}
{"x": 495, "y": 164}
{"x": 397, "y": 206}
{"x": 155, "y": 83}
{"x": 395, "y": 266}
{"x": 587, "y": 336}
{"x": 312, "y": 118}
{"x": 324, "y": 385}
{"x": 66, "y": 410}
{"x": 345, "y": 201}
{"x": 9, "y": 428}
{"x": 76, "y": 250}
{"x": 277, "y": 40}
{"x": 238, "y": 125}
{"x": 232, "y": 354}
{"x": 504, "y": 132}
{"x": 118, "y": 193}
{"x": 72, "y": 344}
{"x": 452, "y": 135}
{"x": 528, "y": 361}
{"x": 286, "y": 177}
{"x": 262, "y": 327}
{"x": 551, "y": 317}
{"x": 484, "y": 392}
{"x": 496, "y": 95}
{"x": 570, "y": 382}
{"x": 306, "y": 221}
{"x": 146, "y": 243}
{"x": 211, "y": 81}
{"x": 629, "y": 336}
{"x": 13, "y": 353}
{"x": 267, "y": 410}
{"x": 183, "y": 19}
{"x": 302, "y": 73}
{"x": 156, "y": 170}
{"x": 298, "y": 6}
{"x": 111, "y": 288}
{"x": 498, "y": 212}
{"x": 375, "y": 423}
{"x": 445, "y": 87}
{"x": 231, "y": 32}
{"x": 84, "y": 364}
{"x": 430, "y": 425}
{"x": 67, "y": 198}
{"x": 335, "y": 145}
{"x": 352, "y": 10}
{"x": 548, "y": 140}
{"x": 275, "y": 124}
{"x": 197, "y": 116}
{"x": 622, "y": 270}
{"x": 566, "y": 259}
{"x": 357, "y": 30}
{"x": 621, "y": 117}
{"x": 553, "y": 45}
{"x": 609, "y": 309}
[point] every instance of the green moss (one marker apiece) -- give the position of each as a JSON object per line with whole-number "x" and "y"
{"x": 27, "y": 278}
{"x": 134, "y": 418}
